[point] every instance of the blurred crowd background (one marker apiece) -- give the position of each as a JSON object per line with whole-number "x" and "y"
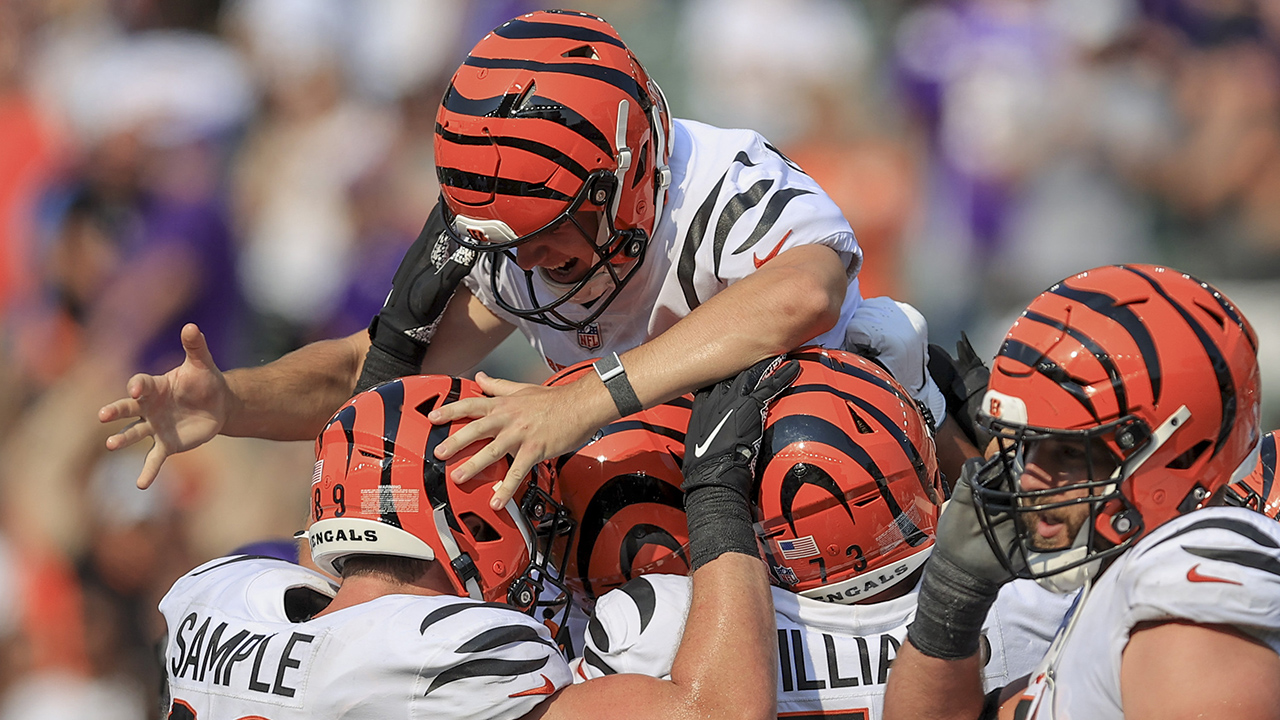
{"x": 259, "y": 166}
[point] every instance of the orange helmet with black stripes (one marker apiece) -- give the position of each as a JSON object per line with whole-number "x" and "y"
{"x": 1153, "y": 365}
{"x": 549, "y": 114}
{"x": 623, "y": 489}
{"x": 1258, "y": 491}
{"x": 378, "y": 489}
{"x": 849, "y": 489}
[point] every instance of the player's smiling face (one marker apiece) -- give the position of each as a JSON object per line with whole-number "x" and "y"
{"x": 564, "y": 252}
{"x": 1052, "y": 464}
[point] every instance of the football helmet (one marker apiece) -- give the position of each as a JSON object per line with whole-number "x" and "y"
{"x": 378, "y": 489}
{"x": 1258, "y": 491}
{"x": 549, "y": 114}
{"x": 1139, "y": 368}
{"x": 623, "y": 488}
{"x": 849, "y": 489}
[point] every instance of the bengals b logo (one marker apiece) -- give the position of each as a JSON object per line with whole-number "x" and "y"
{"x": 994, "y": 409}
{"x": 478, "y": 235}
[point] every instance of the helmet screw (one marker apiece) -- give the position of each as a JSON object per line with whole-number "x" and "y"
{"x": 1200, "y": 493}
{"x": 1125, "y": 440}
{"x": 498, "y": 567}
{"x": 600, "y": 196}
{"x": 832, "y": 549}
{"x": 1122, "y": 523}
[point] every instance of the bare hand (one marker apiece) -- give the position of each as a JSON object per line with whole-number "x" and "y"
{"x": 531, "y": 423}
{"x": 182, "y": 409}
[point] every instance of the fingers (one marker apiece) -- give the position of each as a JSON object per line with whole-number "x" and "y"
{"x": 130, "y": 435}
{"x": 780, "y": 379}
{"x": 479, "y": 429}
{"x": 505, "y": 490}
{"x": 140, "y": 385}
{"x": 151, "y": 466}
{"x": 497, "y": 387}
{"x": 193, "y": 342}
{"x": 483, "y": 458}
{"x": 465, "y": 408}
{"x": 127, "y": 407}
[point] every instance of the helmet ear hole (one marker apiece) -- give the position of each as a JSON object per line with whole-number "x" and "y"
{"x": 582, "y": 51}
{"x": 479, "y": 528}
{"x": 1188, "y": 458}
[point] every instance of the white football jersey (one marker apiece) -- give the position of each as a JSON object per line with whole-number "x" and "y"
{"x": 833, "y": 659}
{"x": 734, "y": 203}
{"x": 1214, "y": 566}
{"x": 241, "y": 643}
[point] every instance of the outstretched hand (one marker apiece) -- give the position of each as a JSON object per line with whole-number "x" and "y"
{"x": 528, "y": 422}
{"x": 182, "y": 409}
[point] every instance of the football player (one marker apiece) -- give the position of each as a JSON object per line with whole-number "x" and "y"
{"x": 427, "y": 619}
{"x": 1259, "y": 491}
{"x": 675, "y": 251}
{"x": 1123, "y": 400}
{"x": 848, "y": 494}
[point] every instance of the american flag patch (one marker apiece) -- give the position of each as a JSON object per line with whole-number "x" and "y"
{"x": 799, "y": 548}
{"x": 319, "y": 472}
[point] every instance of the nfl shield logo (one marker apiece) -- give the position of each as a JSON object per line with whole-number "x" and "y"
{"x": 785, "y": 575}
{"x": 589, "y": 336}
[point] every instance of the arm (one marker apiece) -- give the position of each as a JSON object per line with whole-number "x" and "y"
{"x": 1183, "y": 670}
{"x": 726, "y": 666}
{"x": 793, "y": 298}
{"x": 928, "y": 688}
{"x": 287, "y": 399}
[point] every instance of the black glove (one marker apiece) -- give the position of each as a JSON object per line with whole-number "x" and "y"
{"x": 424, "y": 283}
{"x": 962, "y": 578}
{"x": 963, "y": 381}
{"x": 721, "y": 446}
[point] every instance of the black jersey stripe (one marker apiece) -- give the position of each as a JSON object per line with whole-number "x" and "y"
{"x": 1265, "y": 562}
{"x": 475, "y": 182}
{"x": 237, "y": 559}
{"x": 797, "y": 428}
{"x": 599, "y": 635}
{"x": 616, "y": 78}
{"x": 486, "y": 667}
{"x": 641, "y": 593}
{"x": 528, "y": 146}
{"x": 503, "y": 636}
{"x": 1126, "y": 318}
{"x": 772, "y": 211}
{"x": 802, "y": 474}
{"x": 392, "y": 404}
{"x": 791, "y": 163}
{"x": 1230, "y": 311}
{"x": 737, "y": 205}
{"x": 643, "y": 535}
{"x": 590, "y": 657}
{"x": 450, "y": 610}
{"x": 1038, "y": 363}
{"x": 1100, "y": 354}
{"x": 693, "y": 240}
{"x": 1239, "y": 527}
{"x": 615, "y": 494}
{"x": 1221, "y": 370}
{"x": 524, "y": 30}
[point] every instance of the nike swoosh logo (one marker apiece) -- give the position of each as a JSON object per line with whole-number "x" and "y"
{"x": 772, "y": 254}
{"x": 547, "y": 688}
{"x": 1194, "y": 576}
{"x": 702, "y": 447}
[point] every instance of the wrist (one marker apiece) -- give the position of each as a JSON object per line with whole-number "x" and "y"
{"x": 951, "y": 608}
{"x": 396, "y": 344}
{"x": 720, "y": 521}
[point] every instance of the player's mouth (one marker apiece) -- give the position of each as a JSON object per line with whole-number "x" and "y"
{"x": 568, "y": 272}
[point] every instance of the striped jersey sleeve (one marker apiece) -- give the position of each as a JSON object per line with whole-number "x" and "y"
{"x": 636, "y": 628}
{"x": 491, "y": 661}
{"x": 1212, "y": 566}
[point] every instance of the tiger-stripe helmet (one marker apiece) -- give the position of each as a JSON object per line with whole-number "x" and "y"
{"x": 550, "y": 113}
{"x": 1258, "y": 491}
{"x": 623, "y": 488}
{"x": 378, "y": 489}
{"x": 1154, "y": 365}
{"x": 849, "y": 489}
